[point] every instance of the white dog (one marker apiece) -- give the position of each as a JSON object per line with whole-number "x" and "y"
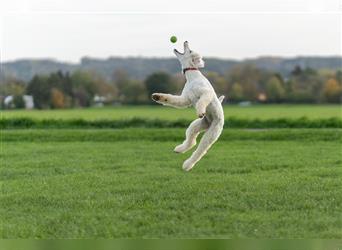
{"x": 199, "y": 93}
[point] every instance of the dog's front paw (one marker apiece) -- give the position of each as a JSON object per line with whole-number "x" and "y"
{"x": 155, "y": 97}
{"x": 159, "y": 97}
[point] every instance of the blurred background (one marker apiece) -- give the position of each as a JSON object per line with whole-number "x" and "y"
{"x": 71, "y": 54}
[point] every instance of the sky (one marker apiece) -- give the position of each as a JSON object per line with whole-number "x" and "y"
{"x": 235, "y": 29}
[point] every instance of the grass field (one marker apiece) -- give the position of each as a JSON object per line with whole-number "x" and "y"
{"x": 283, "y": 183}
{"x": 160, "y": 112}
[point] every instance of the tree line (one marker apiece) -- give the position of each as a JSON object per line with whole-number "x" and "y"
{"x": 243, "y": 82}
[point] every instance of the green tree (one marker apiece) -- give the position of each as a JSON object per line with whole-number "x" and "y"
{"x": 61, "y": 81}
{"x": 249, "y": 78}
{"x": 219, "y": 83}
{"x": 236, "y": 93}
{"x": 61, "y": 89}
{"x": 275, "y": 92}
{"x": 304, "y": 85}
{"x": 159, "y": 82}
{"x": 12, "y": 86}
{"x": 120, "y": 78}
{"x": 104, "y": 88}
{"x": 83, "y": 88}
{"x": 133, "y": 92}
{"x": 18, "y": 102}
{"x": 39, "y": 88}
{"x": 332, "y": 91}
{"x": 297, "y": 71}
{"x": 338, "y": 76}
{"x": 178, "y": 81}
{"x": 123, "y": 85}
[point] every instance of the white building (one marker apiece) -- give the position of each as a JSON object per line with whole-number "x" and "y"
{"x": 28, "y": 100}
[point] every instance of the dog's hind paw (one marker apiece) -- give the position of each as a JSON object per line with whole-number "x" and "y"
{"x": 185, "y": 146}
{"x": 180, "y": 148}
{"x": 188, "y": 165}
{"x": 201, "y": 115}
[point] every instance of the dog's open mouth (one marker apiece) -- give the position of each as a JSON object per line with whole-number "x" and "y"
{"x": 176, "y": 51}
{"x": 186, "y": 49}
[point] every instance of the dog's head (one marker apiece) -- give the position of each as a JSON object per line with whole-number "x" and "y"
{"x": 189, "y": 58}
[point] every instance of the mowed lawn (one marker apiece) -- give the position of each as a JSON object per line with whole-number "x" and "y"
{"x": 167, "y": 113}
{"x": 129, "y": 184}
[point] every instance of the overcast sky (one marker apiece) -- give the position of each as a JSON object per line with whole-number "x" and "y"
{"x": 69, "y": 30}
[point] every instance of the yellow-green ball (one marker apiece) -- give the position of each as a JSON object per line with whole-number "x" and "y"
{"x": 173, "y": 39}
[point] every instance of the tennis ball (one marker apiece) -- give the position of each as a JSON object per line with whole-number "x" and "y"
{"x": 173, "y": 39}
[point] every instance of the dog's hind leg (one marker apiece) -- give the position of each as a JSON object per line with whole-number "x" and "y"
{"x": 208, "y": 139}
{"x": 191, "y": 134}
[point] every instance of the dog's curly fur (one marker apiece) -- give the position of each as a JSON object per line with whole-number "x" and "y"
{"x": 199, "y": 93}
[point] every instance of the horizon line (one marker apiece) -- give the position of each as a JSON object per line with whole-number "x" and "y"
{"x": 160, "y": 57}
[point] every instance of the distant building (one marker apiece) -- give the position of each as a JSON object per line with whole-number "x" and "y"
{"x": 245, "y": 103}
{"x": 8, "y": 101}
{"x": 99, "y": 100}
{"x": 28, "y": 101}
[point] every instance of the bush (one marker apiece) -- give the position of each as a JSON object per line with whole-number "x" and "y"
{"x": 233, "y": 122}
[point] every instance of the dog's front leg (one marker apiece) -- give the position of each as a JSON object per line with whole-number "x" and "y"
{"x": 202, "y": 104}
{"x": 171, "y": 100}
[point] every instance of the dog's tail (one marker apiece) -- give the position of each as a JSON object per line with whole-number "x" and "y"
{"x": 221, "y": 98}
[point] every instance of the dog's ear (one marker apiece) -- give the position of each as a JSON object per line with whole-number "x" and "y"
{"x": 197, "y": 60}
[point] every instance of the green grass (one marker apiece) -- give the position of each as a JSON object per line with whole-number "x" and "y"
{"x": 167, "y": 113}
{"x": 129, "y": 184}
{"x": 258, "y": 116}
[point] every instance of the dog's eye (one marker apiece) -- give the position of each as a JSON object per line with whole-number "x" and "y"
{"x": 190, "y": 51}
